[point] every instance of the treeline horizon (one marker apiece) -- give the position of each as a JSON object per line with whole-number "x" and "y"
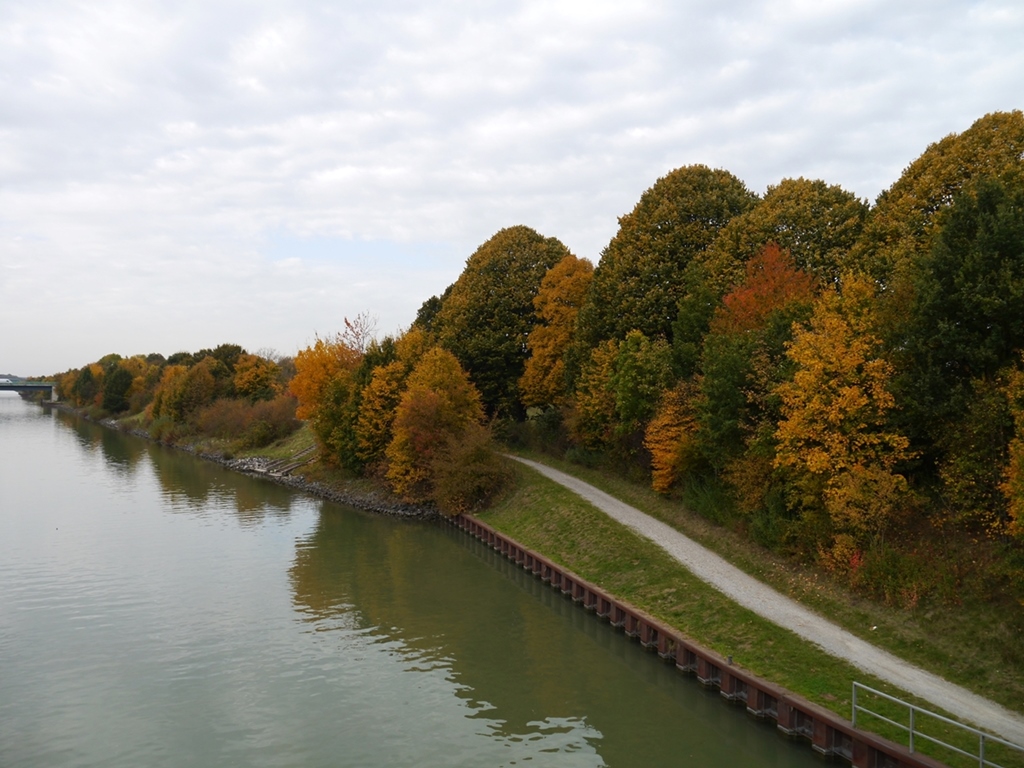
{"x": 841, "y": 382}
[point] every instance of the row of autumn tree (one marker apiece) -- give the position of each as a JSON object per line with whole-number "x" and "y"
{"x": 843, "y": 381}
{"x": 225, "y": 393}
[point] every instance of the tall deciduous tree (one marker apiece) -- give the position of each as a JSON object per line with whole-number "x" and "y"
{"x": 815, "y": 222}
{"x": 835, "y": 440}
{"x": 488, "y": 316}
{"x": 115, "y": 389}
{"x": 641, "y": 371}
{"x": 743, "y": 354}
{"x": 637, "y": 283}
{"x": 1013, "y": 473}
{"x": 670, "y": 437}
{"x": 964, "y": 326}
{"x": 592, "y": 416}
{"x": 255, "y": 377}
{"x": 557, "y": 304}
{"x": 327, "y": 387}
{"x": 316, "y": 366}
{"x": 170, "y": 379}
{"x": 966, "y": 320}
{"x": 905, "y": 218}
{"x": 86, "y": 386}
{"x": 377, "y": 408}
{"x": 334, "y": 420}
{"x": 772, "y": 281}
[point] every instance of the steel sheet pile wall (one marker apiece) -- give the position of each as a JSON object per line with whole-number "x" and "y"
{"x": 827, "y": 733}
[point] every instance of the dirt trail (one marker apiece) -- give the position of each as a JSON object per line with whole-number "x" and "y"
{"x": 787, "y": 613}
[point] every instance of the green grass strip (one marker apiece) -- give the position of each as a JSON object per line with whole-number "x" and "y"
{"x": 969, "y": 644}
{"x": 557, "y": 523}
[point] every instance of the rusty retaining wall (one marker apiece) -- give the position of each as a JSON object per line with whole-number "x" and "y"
{"x": 828, "y": 733}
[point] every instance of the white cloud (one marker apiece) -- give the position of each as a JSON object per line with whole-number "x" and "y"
{"x": 154, "y": 155}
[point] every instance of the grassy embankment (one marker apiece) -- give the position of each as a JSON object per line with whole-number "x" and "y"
{"x": 552, "y": 520}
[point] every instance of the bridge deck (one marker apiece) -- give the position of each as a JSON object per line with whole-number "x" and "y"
{"x": 17, "y": 386}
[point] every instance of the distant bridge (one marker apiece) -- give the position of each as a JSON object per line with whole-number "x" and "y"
{"x": 23, "y": 385}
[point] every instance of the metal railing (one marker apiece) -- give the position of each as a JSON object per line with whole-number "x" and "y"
{"x": 915, "y": 732}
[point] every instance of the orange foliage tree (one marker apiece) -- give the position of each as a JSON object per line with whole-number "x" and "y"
{"x": 742, "y": 362}
{"x": 316, "y": 366}
{"x": 439, "y": 402}
{"x": 182, "y": 393}
{"x": 169, "y": 381}
{"x": 772, "y": 281}
{"x": 670, "y": 437}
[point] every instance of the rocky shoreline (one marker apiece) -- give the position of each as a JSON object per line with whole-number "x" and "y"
{"x": 280, "y": 472}
{"x": 367, "y": 501}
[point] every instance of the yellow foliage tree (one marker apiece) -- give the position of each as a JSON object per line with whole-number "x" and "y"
{"x": 834, "y": 439}
{"x": 377, "y": 411}
{"x": 411, "y": 346}
{"x": 170, "y": 381}
{"x": 439, "y": 403}
{"x": 592, "y": 417}
{"x": 557, "y": 303}
{"x": 256, "y": 378}
{"x": 181, "y": 393}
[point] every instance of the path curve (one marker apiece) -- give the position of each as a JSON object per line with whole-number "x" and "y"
{"x": 787, "y": 613}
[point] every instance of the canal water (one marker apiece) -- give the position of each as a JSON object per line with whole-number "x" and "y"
{"x": 157, "y": 610}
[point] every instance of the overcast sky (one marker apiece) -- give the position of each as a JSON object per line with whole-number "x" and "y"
{"x": 174, "y": 175}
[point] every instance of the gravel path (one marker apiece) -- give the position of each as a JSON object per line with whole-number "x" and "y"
{"x": 781, "y": 610}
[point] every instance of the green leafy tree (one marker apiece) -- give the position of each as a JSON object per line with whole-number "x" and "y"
{"x": 85, "y": 387}
{"x": 467, "y": 472}
{"x": 181, "y": 358}
{"x": 637, "y": 284}
{"x": 429, "y": 310}
{"x": 722, "y": 408}
{"x": 115, "y": 389}
{"x": 335, "y": 418}
{"x": 973, "y": 456}
{"x": 641, "y": 372}
{"x": 228, "y": 354}
{"x": 966, "y": 320}
{"x": 1012, "y": 486}
{"x": 489, "y": 314}
{"x": 963, "y": 327}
